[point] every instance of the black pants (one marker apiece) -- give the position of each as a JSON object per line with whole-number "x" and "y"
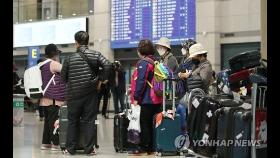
{"x": 146, "y": 123}
{"x": 51, "y": 115}
{"x": 118, "y": 96}
{"x": 86, "y": 110}
{"x": 41, "y": 111}
{"x": 105, "y": 94}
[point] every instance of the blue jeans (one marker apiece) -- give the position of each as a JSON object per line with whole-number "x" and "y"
{"x": 182, "y": 111}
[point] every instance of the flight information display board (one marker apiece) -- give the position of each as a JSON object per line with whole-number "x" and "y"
{"x": 133, "y": 20}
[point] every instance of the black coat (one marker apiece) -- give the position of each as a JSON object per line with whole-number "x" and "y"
{"x": 76, "y": 72}
{"x": 121, "y": 80}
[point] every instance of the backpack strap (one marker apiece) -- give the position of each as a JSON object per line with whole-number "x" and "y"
{"x": 44, "y": 62}
{"x": 149, "y": 60}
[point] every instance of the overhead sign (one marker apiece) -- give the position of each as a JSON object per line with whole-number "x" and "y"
{"x": 33, "y": 56}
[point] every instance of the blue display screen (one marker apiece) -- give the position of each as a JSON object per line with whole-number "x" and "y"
{"x": 133, "y": 20}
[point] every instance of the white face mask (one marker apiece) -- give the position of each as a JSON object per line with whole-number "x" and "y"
{"x": 161, "y": 51}
{"x": 184, "y": 51}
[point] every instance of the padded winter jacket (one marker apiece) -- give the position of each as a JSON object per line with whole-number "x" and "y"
{"x": 78, "y": 75}
{"x": 142, "y": 91}
{"x": 204, "y": 70}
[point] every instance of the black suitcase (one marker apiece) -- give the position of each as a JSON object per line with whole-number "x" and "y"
{"x": 205, "y": 126}
{"x": 234, "y": 124}
{"x": 121, "y": 123}
{"x": 63, "y": 124}
{"x": 245, "y": 60}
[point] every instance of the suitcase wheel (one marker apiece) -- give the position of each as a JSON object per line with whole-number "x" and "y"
{"x": 117, "y": 150}
{"x": 96, "y": 146}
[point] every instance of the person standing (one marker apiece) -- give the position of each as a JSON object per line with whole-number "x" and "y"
{"x": 53, "y": 98}
{"x": 164, "y": 50}
{"x": 118, "y": 87}
{"x": 83, "y": 84}
{"x": 142, "y": 96}
{"x": 105, "y": 94}
{"x": 202, "y": 68}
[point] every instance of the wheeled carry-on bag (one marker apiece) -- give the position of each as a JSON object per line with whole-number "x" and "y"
{"x": 205, "y": 126}
{"x": 259, "y": 124}
{"x": 121, "y": 123}
{"x": 245, "y": 60}
{"x": 233, "y": 128}
{"x": 63, "y": 124}
{"x": 167, "y": 131}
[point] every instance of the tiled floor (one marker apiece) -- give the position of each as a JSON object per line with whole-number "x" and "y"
{"x": 27, "y": 141}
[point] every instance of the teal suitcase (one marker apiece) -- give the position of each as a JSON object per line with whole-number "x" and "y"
{"x": 167, "y": 134}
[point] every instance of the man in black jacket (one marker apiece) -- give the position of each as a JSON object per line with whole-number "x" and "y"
{"x": 118, "y": 87}
{"x": 83, "y": 83}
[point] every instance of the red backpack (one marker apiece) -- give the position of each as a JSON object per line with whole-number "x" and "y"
{"x": 155, "y": 87}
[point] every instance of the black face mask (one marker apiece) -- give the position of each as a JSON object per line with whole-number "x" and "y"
{"x": 196, "y": 61}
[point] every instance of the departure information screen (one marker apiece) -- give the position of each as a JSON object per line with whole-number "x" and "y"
{"x": 133, "y": 20}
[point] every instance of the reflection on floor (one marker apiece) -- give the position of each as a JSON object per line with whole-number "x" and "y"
{"x": 27, "y": 140}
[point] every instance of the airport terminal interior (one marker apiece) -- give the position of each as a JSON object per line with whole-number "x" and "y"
{"x": 225, "y": 28}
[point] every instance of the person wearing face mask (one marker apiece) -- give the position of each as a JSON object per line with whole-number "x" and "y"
{"x": 202, "y": 68}
{"x": 164, "y": 50}
{"x": 185, "y": 65}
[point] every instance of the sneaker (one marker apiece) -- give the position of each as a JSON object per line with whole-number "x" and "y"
{"x": 46, "y": 146}
{"x": 55, "y": 148}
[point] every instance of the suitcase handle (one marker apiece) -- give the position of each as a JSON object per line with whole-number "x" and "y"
{"x": 262, "y": 95}
{"x": 173, "y": 80}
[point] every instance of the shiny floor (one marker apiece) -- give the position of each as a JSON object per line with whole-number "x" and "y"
{"x": 27, "y": 141}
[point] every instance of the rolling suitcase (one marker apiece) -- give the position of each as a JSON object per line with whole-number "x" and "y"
{"x": 234, "y": 125}
{"x": 259, "y": 125}
{"x": 121, "y": 123}
{"x": 245, "y": 60}
{"x": 167, "y": 131}
{"x": 205, "y": 126}
{"x": 241, "y": 79}
{"x": 63, "y": 124}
